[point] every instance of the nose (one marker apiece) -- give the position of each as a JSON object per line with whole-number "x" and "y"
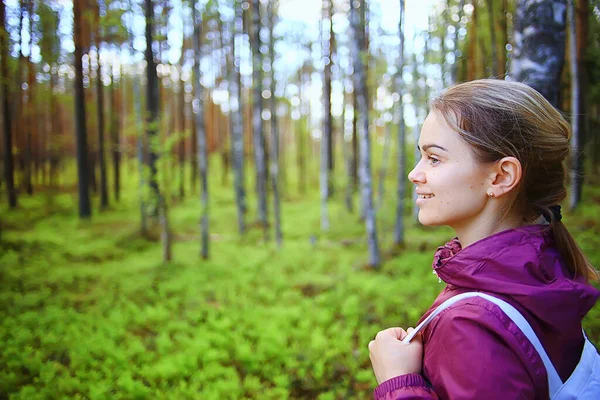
{"x": 417, "y": 175}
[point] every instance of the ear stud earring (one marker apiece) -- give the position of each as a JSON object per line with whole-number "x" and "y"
{"x": 491, "y": 194}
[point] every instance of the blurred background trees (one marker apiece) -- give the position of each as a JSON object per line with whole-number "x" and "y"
{"x": 154, "y": 93}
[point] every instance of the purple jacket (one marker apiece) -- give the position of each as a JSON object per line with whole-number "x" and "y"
{"x": 472, "y": 350}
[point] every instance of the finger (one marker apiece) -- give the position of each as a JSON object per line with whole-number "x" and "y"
{"x": 395, "y": 333}
{"x": 417, "y": 338}
{"x": 371, "y": 344}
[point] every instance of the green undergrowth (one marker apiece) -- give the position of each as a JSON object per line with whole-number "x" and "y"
{"x": 88, "y": 310}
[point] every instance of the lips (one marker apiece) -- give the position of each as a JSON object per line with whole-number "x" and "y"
{"x": 425, "y": 196}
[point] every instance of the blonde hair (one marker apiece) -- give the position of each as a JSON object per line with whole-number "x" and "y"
{"x": 501, "y": 118}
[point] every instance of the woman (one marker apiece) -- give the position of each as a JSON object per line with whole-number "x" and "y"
{"x": 493, "y": 169}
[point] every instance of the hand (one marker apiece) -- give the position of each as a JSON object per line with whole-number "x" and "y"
{"x": 390, "y": 357}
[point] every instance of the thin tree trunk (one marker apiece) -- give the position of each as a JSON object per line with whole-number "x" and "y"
{"x": 540, "y": 30}
{"x": 81, "y": 134}
{"x": 115, "y": 142}
{"x": 493, "y": 41}
{"x": 152, "y": 127}
{"x": 5, "y": 94}
{"x": 152, "y": 104}
{"x": 359, "y": 45}
{"x": 504, "y": 26}
{"x": 202, "y": 151}
{"x": 401, "y": 180}
{"x": 236, "y": 113}
{"x": 327, "y": 118}
{"x": 274, "y": 128}
{"x": 182, "y": 131}
{"x": 100, "y": 116}
{"x": 259, "y": 149}
{"x": 578, "y": 38}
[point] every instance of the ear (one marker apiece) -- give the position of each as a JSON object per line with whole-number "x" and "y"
{"x": 504, "y": 176}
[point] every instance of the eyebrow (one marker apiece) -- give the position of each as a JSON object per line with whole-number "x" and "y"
{"x": 427, "y": 146}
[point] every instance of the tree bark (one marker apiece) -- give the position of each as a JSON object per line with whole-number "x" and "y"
{"x": 258, "y": 135}
{"x": 539, "y": 50}
{"x": 80, "y": 128}
{"x": 6, "y": 111}
{"x": 100, "y": 116}
{"x": 237, "y": 128}
{"x": 272, "y": 6}
{"x": 327, "y": 118}
{"x": 360, "y": 84}
{"x": 115, "y": 142}
{"x": 578, "y": 33}
{"x": 401, "y": 180}
{"x": 202, "y": 152}
{"x": 493, "y": 41}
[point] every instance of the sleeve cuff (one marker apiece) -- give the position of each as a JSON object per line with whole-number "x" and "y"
{"x": 398, "y": 382}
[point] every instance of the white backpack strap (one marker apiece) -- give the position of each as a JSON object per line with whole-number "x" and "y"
{"x": 554, "y": 381}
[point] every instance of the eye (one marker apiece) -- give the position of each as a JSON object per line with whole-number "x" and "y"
{"x": 433, "y": 160}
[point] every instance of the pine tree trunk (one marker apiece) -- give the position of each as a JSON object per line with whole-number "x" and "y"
{"x": 152, "y": 105}
{"x": 202, "y": 151}
{"x": 327, "y": 118}
{"x": 81, "y": 134}
{"x": 258, "y": 135}
{"x": 237, "y": 128}
{"x": 360, "y": 84}
{"x": 578, "y": 27}
{"x": 401, "y": 180}
{"x": 115, "y": 142}
{"x": 504, "y": 42}
{"x": 493, "y": 41}
{"x": 6, "y": 111}
{"x": 182, "y": 131}
{"x": 100, "y": 116}
{"x": 539, "y": 50}
{"x": 274, "y": 129}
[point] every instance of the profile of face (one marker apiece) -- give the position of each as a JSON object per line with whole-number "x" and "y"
{"x": 451, "y": 185}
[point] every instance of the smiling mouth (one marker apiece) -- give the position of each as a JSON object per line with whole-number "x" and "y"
{"x": 426, "y": 196}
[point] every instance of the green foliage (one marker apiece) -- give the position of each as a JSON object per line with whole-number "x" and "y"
{"x": 87, "y": 309}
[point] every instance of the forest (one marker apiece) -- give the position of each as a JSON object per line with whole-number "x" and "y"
{"x": 208, "y": 199}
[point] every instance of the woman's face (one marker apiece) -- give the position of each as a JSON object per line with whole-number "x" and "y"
{"x": 450, "y": 184}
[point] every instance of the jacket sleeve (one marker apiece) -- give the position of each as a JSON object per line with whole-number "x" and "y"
{"x": 472, "y": 351}
{"x": 409, "y": 386}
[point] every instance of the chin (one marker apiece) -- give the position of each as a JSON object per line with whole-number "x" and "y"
{"x": 426, "y": 220}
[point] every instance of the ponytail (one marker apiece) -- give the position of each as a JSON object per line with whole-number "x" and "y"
{"x": 571, "y": 253}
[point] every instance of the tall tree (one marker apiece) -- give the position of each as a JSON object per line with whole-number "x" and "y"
{"x": 258, "y": 135}
{"x": 578, "y": 37}
{"x": 326, "y": 139}
{"x": 401, "y": 181}
{"x": 272, "y": 9}
{"x": 5, "y": 95}
{"x": 80, "y": 128}
{"x": 539, "y": 50}
{"x": 202, "y": 151}
{"x": 493, "y": 41}
{"x": 100, "y": 109}
{"x": 237, "y": 134}
{"x": 360, "y": 85}
{"x": 152, "y": 105}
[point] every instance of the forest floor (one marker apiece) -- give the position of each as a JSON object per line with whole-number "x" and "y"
{"x": 88, "y": 309}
